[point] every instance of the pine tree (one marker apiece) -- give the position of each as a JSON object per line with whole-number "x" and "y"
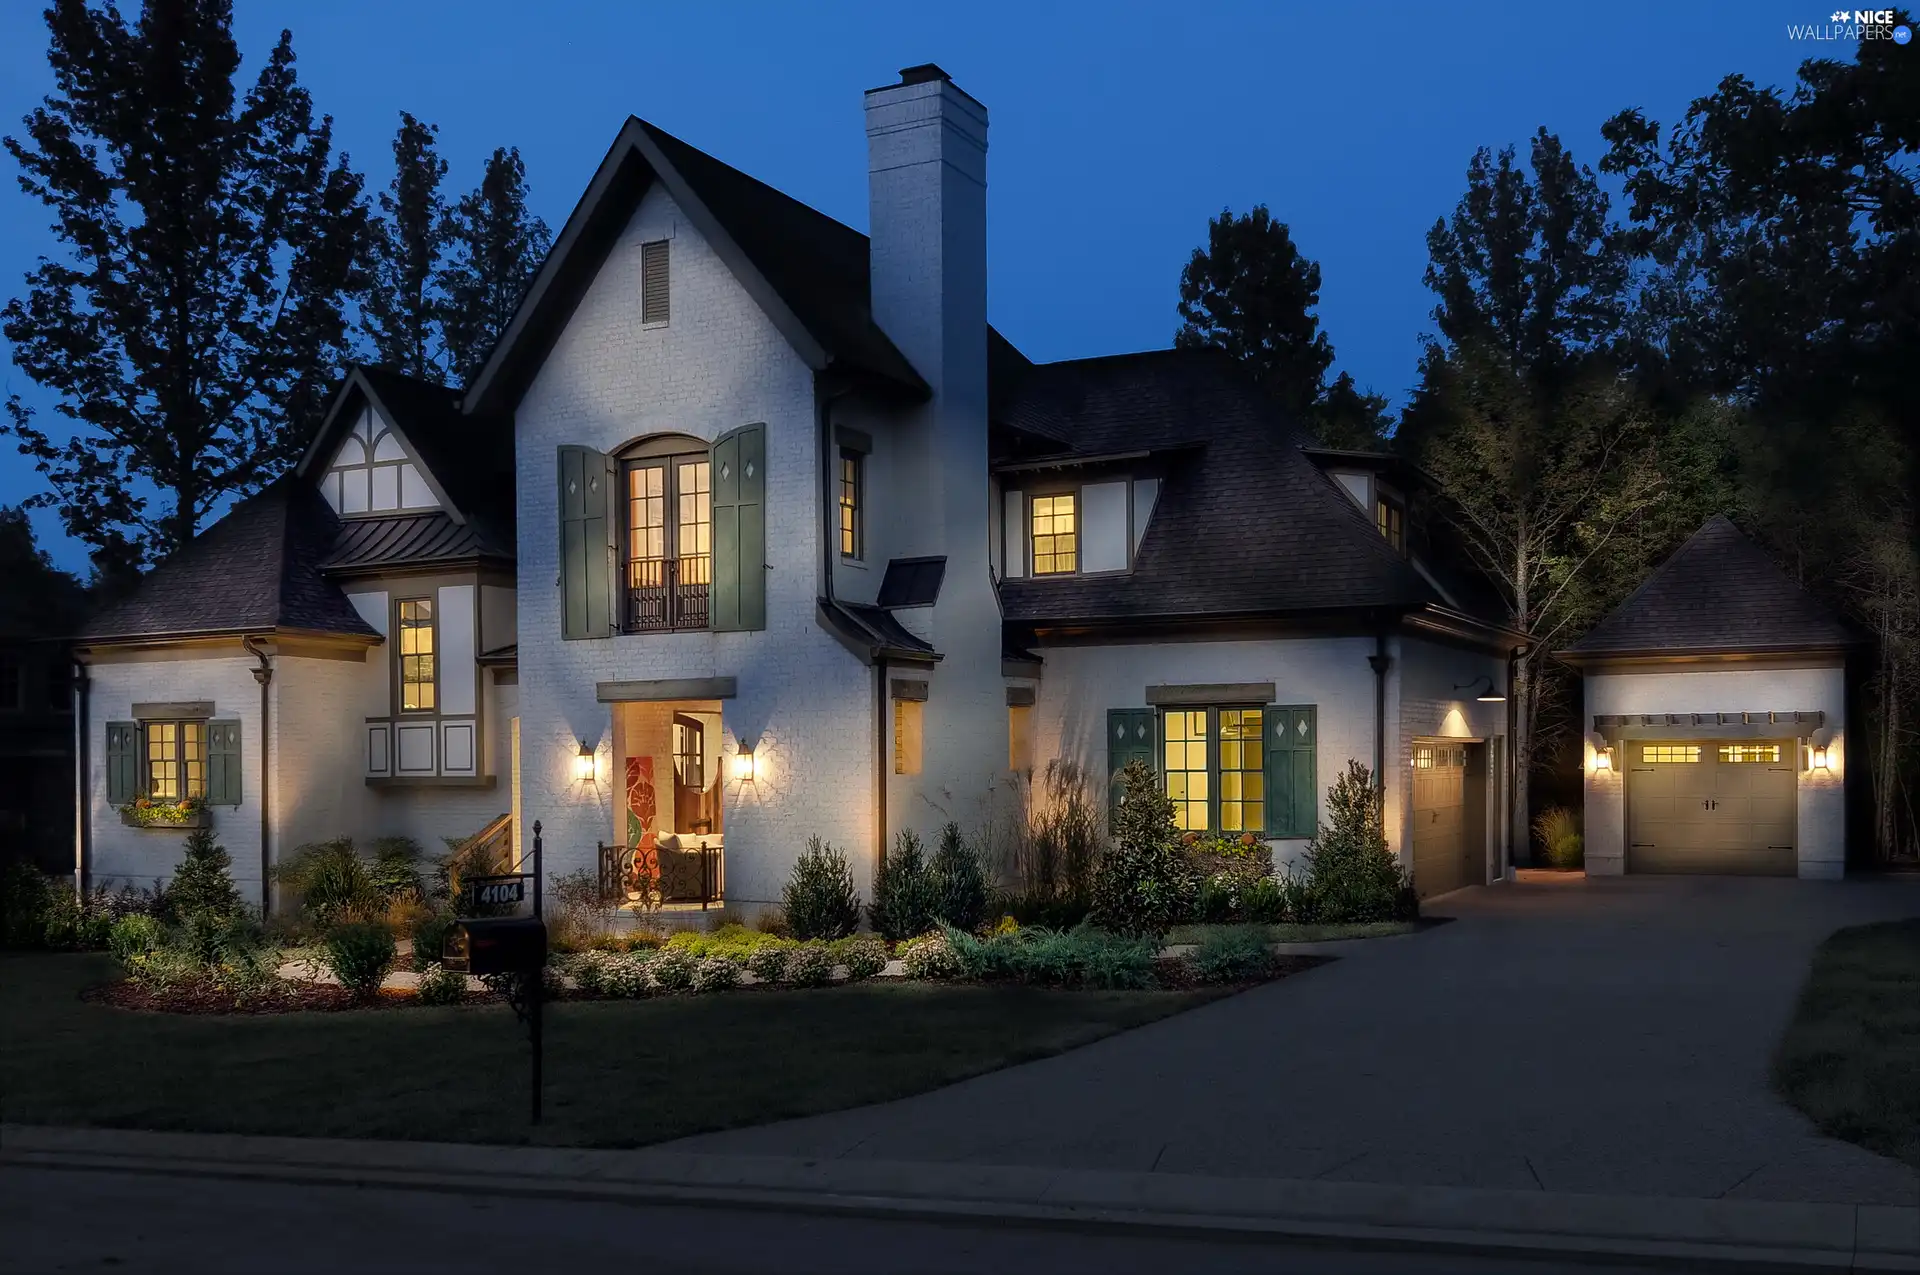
{"x": 495, "y": 246}
{"x": 202, "y": 885}
{"x": 197, "y": 319}
{"x": 404, "y": 307}
{"x": 1251, "y": 292}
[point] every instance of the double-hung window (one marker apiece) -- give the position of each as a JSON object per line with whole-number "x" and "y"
{"x": 174, "y": 760}
{"x": 1391, "y": 519}
{"x": 669, "y": 543}
{"x": 1055, "y": 534}
{"x": 1214, "y": 761}
{"x": 417, "y": 655}
{"x": 851, "y": 496}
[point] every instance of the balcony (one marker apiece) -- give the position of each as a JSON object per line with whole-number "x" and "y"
{"x": 667, "y": 594}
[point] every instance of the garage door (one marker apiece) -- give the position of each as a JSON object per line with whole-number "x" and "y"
{"x": 1440, "y": 861}
{"x": 1711, "y": 805}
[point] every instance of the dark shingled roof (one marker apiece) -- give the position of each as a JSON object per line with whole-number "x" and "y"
{"x": 256, "y": 569}
{"x": 1718, "y": 593}
{"x": 410, "y": 540}
{"x": 873, "y": 630}
{"x": 1244, "y": 525}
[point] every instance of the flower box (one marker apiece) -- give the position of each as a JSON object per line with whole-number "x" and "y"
{"x": 167, "y": 818}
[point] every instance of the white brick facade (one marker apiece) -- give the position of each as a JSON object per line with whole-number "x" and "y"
{"x": 804, "y": 703}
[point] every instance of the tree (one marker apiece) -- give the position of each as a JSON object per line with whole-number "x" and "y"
{"x": 404, "y": 307}
{"x": 1142, "y": 884}
{"x": 495, "y": 247}
{"x": 36, "y": 597}
{"x": 198, "y": 317}
{"x": 1251, "y": 293}
{"x": 1348, "y": 418}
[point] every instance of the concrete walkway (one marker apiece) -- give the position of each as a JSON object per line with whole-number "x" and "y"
{"x": 1608, "y": 1036}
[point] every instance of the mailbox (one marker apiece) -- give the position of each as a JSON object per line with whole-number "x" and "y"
{"x": 496, "y": 945}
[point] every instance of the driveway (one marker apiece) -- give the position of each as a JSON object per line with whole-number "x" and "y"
{"x": 1610, "y": 1036}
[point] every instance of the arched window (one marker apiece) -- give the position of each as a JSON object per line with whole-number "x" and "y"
{"x": 667, "y": 533}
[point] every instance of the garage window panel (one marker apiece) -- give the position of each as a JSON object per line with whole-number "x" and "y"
{"x": 1736, "y": 754}
{"x": 1666, "y": 754}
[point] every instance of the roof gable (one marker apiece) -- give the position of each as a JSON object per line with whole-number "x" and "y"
{"x": 1718, "y": 594}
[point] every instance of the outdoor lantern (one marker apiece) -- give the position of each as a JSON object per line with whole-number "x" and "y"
{"x": 743, "y": 764}
{"x": 1602, "y": 760}
{"x": 1822, "y": 757}
{"x": 1487, "y": 694}
{"x": 583, "y": 764}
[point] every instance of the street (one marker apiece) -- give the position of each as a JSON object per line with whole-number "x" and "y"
{"x": 57, "y": 1221}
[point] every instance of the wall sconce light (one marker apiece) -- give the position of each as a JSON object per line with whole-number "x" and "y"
{"x": 1602, "y": 760}
{"x": 583, "y": 763}
{"x": 1487, "y": 694}
{"x": 1820, "y": 757}
{"x": 743, "y": 764}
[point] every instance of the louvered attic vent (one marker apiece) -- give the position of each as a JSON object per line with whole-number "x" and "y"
{"x": 653, "y": 282}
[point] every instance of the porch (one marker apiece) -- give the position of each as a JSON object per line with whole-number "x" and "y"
{"x": 667, "y": 851}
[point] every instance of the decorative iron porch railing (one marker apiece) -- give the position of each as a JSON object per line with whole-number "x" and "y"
{"x": 694, "y": 875}
{"x": 668, "y": 593}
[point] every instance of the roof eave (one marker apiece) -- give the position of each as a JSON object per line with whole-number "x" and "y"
{"x": 1677, "y": 655}
{"x": 88, "y": 642}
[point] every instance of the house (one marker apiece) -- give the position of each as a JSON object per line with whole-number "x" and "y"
{"x": 1717, "y": 700}
{"x": 799, "y": 546}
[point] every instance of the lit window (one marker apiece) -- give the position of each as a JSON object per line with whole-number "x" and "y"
{"x": 850, "y": 504}
{"x": 1055, "y": 540}
{"x": 1738, "y": 753}
{"x": 669, "y": 559}
{"x": 1185, "y": 745}
{"x": 416, "y": 655}
{"x": 1243, "y": 780}
{"x": 1391, "y": 520}
{"x": 176, "y": 760}
{"x": 906, "y": 736}
{"x": 1665, "y": 754}
{"x": 1019, "y": 749}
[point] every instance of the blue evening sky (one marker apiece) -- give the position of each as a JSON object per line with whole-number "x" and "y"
{"x": 1117, "y": 128}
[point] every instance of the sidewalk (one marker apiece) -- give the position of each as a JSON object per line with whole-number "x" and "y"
{"x": 1742, "y": 1234}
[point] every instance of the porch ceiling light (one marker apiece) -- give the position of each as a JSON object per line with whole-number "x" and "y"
{"x": 583, "y": 763}
{"x": 743, "y": 764}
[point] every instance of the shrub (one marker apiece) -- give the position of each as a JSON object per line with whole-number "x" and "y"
{"x": 671, "y": 969}
{"x": 395, "y": 872}
{"x": 716, "y": 974}
{"x": 1558, "y": 832}
{"x": 204, "y": 880}
{"x": 819, "y": 897}
{"x": 332, "y": 882}
{"x": 360, "y": 953}
{"x": 864, "y": 955}
{"x": 441, "y": 986}
{"x": 1083, "y": 957}
{"x": 904, "y": 893}
{"x": 1245, "y": 857}
{"x": 1350, "y": 873}
{"x": 627, "y": 975}
{"x": 774, "y": 921}
{"x": 1233, "y": 954}
{"x": 429, "y": 935}
{"x": 135, "y": 935}
{"x": 929, "y": 956}
{"x": 735, "y": 942}
{"x": 634, "y": 940}
{"x": 1063, "y": 836}
{"x": 25, "y": 895}
{"x": 808, "y": 965}
{"x": 1143, "y": 884}
{"x": 767, "y": 962}
{"x": 957, "y": 884}
{"x": 1268, "y": 901}
{"x": 580, "y": 914}
{"x": 587, "y": 969}
{"x": 1054, "y": 911}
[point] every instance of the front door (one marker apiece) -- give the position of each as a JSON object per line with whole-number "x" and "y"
{"x": 1715, "y": 806}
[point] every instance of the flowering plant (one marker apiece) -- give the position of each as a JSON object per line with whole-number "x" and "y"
{"x": 147, "y": 812}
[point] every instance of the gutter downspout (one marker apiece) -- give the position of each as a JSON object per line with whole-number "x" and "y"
{"x": 1512, "y": 763}
{"x": 1380, "y": 662}
{"x": 263, "y": 675}
{"x": 82, "y": 789}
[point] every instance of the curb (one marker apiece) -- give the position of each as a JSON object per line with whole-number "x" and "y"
{"x": 1744, "y": 1234}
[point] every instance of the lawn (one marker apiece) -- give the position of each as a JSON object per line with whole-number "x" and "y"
{"x": 1304, "y": 933}
{"x": 1850, "y": 1058}
{"x": 618, "y": 1073}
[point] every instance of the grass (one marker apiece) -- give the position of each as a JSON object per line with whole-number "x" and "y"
{"x": 618, "y": 1073}
{"x": 1850, "y": 1059}
{"x": 1301, "y": 933}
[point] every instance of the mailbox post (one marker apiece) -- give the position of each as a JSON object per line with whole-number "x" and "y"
{"x": 513, "y": 948}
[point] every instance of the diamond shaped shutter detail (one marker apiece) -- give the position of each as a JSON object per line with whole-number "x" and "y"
{"x": 1130, "y": 737}
{"x": 1293, "y": 781}
{"x": 589, "y": 532}
{"x": 122, "y": 755}
{"x": 223, "y": 763}
{"x": 738, "y": 464}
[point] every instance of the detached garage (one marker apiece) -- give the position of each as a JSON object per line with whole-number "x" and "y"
{"x": 1716, "y": 705}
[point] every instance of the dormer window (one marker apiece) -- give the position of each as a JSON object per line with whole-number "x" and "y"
{"x": 1056, "y": 537}
{"x": 1391, "y": 519}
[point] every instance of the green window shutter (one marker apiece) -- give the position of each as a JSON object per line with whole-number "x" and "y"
{"x": 588, "y": 532}
{"x": 123, "y": 756}
{"x": 223, "y": 763}
{"x": 738, "y": 472}
{"x": 1131, "y": 733}
{"x": 1293, "y": 775}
